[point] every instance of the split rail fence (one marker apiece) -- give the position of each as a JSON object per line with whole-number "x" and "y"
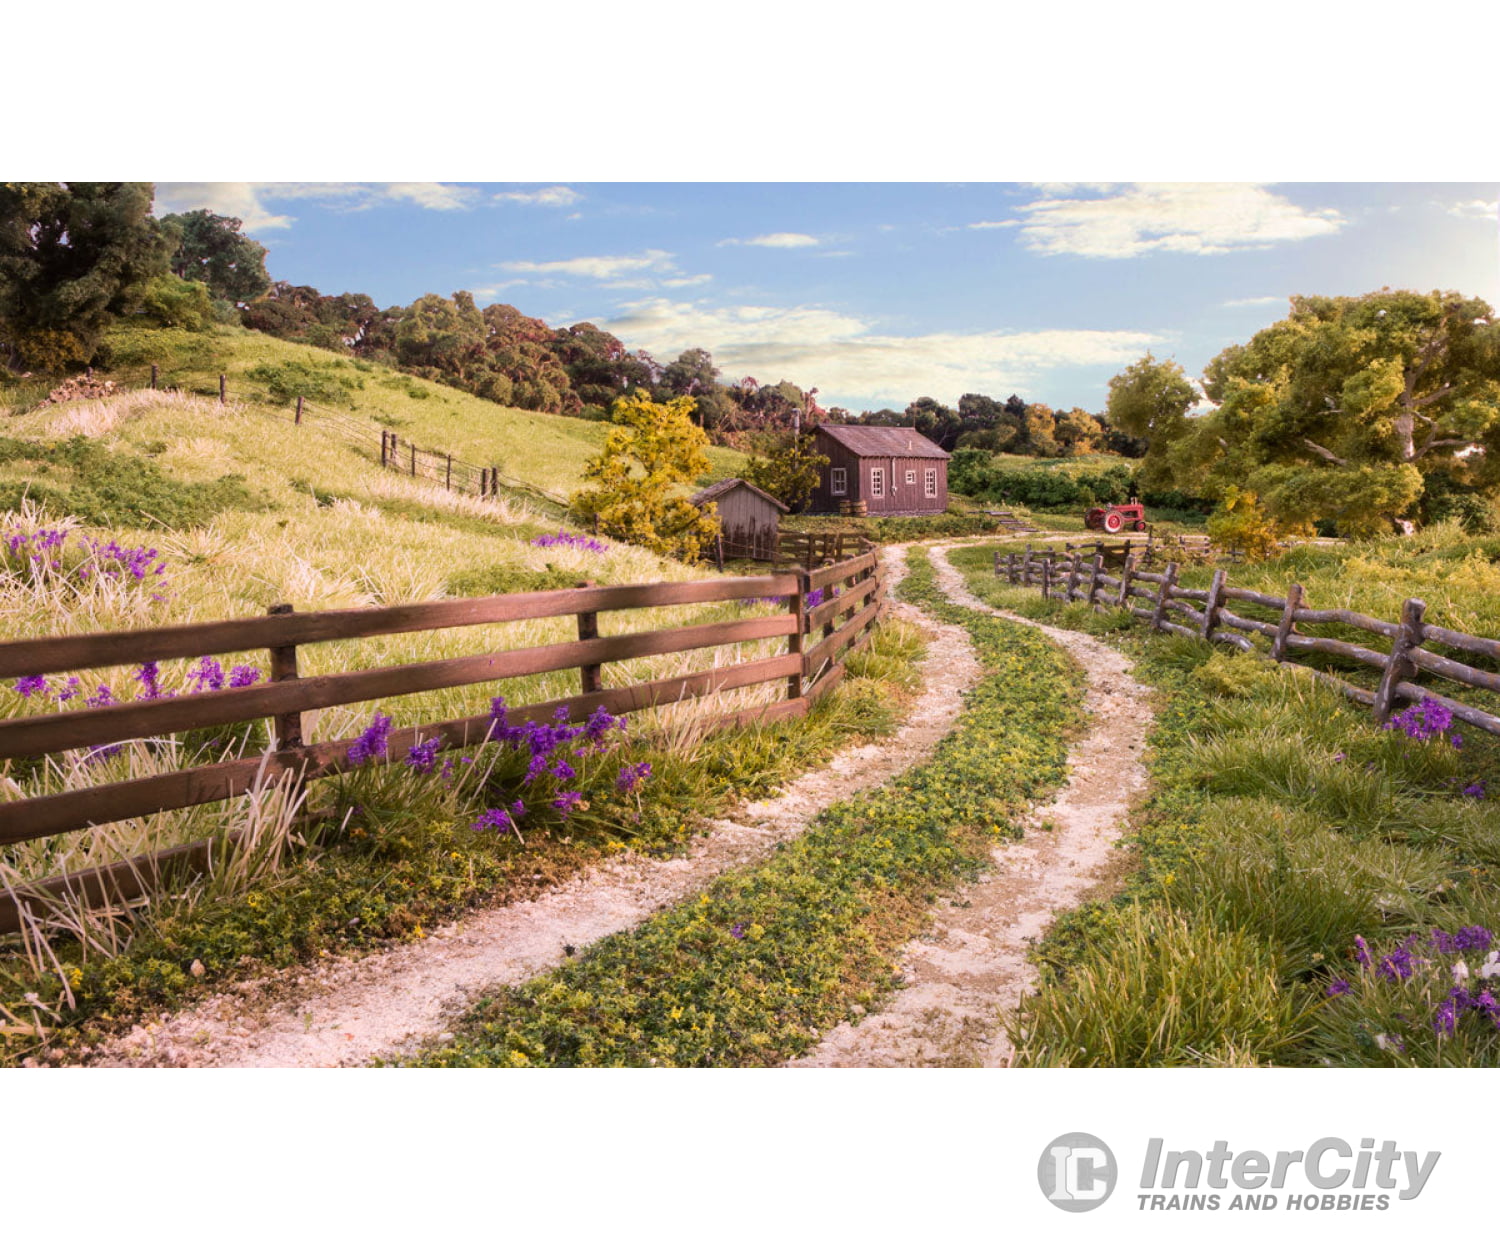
{"x": 821, "y": 636}
{"x": 1220, "y": 614}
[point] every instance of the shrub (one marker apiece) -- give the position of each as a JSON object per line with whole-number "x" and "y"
{"x": 292, "y": 378}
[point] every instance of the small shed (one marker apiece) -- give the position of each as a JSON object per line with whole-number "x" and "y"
{"x": 748, "y": 518}
{"x": 893, "y": 469}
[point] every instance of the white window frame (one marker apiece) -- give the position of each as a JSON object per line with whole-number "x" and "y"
{"x": 877, "y": 481}
{"x": 911, "y": 477}
{"x": 930, "y": 485}
{"x": 838, "y": 482}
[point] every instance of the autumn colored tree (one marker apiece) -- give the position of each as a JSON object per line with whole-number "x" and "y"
{"x": 636, "y": 484}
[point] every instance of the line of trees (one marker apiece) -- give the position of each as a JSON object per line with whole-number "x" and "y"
{"x": 75, "y": 256}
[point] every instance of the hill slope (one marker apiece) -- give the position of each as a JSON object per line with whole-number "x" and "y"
{"x": 543, "y": 450}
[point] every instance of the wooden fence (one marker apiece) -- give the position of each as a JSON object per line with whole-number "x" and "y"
{"x": 821, "y": 630}
{"x": 810, "y": 550}
{"x": 1076, "y": 579}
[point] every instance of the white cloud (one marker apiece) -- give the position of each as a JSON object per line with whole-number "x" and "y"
{"x": 853, "y": 365}
{"x": 250, "y": 201}
{"x": 1255, "y": 301}
{"x": 783, "y": 238}
{"x": 1191, "y": 218}
{"x": 1478, "y": 209}
{"x": 545, "y": 197}
{"x": 601, "y": 268}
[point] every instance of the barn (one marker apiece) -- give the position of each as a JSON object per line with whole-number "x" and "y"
{"x": 748, "y": 518}
{"x": 894, "y": 470}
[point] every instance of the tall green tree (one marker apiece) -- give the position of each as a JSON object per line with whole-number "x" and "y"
{"x": 1340, "y": 412}
{"x": 786, "y": 467}
{"x": 215, "y": 251}
{"x": 73, "y": 255}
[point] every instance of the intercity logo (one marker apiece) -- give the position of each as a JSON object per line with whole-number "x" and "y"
{"x": 1077, "y": 1172}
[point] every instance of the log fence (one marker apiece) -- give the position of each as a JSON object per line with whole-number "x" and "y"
{"x": 851, "y": 603}
{"x": 1215, "y": 614}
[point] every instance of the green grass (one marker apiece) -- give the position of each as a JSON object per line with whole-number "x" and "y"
{"x": 1281, "y": 825}
{"x": 542, "y": 449}
{"x": 769, "y": 957}
{"x": 400, "y": 855}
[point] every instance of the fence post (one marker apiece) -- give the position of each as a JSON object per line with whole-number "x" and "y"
{"x": 413, "y": 447}
{"x": 794, "y": 644}
{"x": 588, "y": 628}
{"x": 1125, "y": 575}
{"x": 1398, "y": 665}
{"x": 448, "y": 477}
{"x": 495, "y": 480}
{"x": 484, "y": 483}
{"x": 153, "y": 377}
{"x": 1072, "y": 574}
{"x": 298, "y": 419}
{"x": 1164, "y": 594}
{"x": 221, "y": 389}
{"x": 1214, "y": 604}
{"x": 1094, "y": 579}
{"x": 1288, "y": 623}
{"x": 1047, "y": 576}
{"x": 284, "y": 668}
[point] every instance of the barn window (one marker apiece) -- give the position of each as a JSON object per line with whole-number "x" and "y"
{"x": 877, "y": 483}
{"x": 838, "y": 482}
{"x": 931, "y": 483}
{"x": 911, "y": 477}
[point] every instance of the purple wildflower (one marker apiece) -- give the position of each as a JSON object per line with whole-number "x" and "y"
{"x": 738, "y": 930}
{"x": 242, "y": 675}
{"x": 422, "y": 758}
{"x": 149, "y": 675}
{"x": 207, "y": 674}
{"x": 600, "y": 722}
{"x": 568, "y": 800}
{"x": 1445, "y": 1022}
{"x": 1457, "y": 740}
{"x": 1340, "y": 758}
{"x": 372, "y": 742}
{"x": 1473, "y": 938}
{"x": 29, "y": 686}
{"x": 1397, "y": 966}
{"x": 66, "y": 691}
{"x": 563, "y": 538}
{"x": 494, "y": 818}
{"x": 1336, "y": 988}
{"x": 1361, "y": 951}
{"x": 814, "y": 598}
{"x": 563, "y": 770}
{"x": 631, "y": 775}
{"x": 1474, "y": 790}
{"x": 1427, "y": 719}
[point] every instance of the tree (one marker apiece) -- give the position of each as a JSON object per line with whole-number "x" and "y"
{"x": 1078, "y": 432}
{"x": 1150, "y": 401}
{"x": 788, "y": 470}
{"x": 636, "y": 493}
{"x": 935, "y": 421}
{"x": 1340, "y": 411}
{"x": 213, "y": 250}
{"x": 72, "y": 256}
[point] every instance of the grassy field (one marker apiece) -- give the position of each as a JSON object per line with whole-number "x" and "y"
{"x": 172, "y": 509}
{"x": 1302, "y": 887}
{"x": 542, "y": 449}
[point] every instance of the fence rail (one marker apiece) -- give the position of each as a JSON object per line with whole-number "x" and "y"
{"x": 1071, "y": 578}
{"x": 850, "y": 602}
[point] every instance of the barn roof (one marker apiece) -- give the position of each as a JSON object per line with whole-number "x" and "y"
{"x": 719, "y": 489}
{"x": 885, "y": 440}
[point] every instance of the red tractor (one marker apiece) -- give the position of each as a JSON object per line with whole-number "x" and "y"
{"x": 1117, "y": 517}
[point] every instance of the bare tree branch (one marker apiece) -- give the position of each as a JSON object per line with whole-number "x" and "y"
{"x": 1325, "y": 453}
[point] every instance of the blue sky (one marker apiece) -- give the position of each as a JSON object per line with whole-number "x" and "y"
{"x": 878, "y": 293}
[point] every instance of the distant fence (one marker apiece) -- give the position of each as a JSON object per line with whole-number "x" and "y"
{"x": 809, "y": 550}
{"x": 822, "y": 630}
{"x": 1074, "y": 579}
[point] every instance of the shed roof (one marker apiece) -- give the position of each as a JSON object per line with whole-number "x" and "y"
{"x": 885, "y": 440}
{"x": 709, "y": 493}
